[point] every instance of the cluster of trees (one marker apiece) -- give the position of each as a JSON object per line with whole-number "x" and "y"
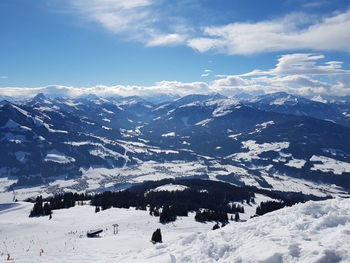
{"x": 169, "y": 205}
{"x": 169, "y": 213}
{"x": 212, "y": 196}
{"x": 44, "y": 207}
{"x": 211, "y": 200}
{"x": 269, "y": 206}
{"x": 236, "y": 217}
{"x": 40, "y": 208}
{"x": 201, "y": 194}
{"x": 236, "y": 208}
{"x": 219, "y": 189}
{"x": 208, "y": 215}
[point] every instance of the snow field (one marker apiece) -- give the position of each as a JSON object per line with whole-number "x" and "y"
{"x": 312, "y": 232}
{"x": 330, "y": 165}
{"x": 63, "y": 238}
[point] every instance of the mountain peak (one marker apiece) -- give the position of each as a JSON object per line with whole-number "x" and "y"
{"x": 39, "y": 96}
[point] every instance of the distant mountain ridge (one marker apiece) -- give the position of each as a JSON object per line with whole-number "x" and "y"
{"x": 260, "y": 141}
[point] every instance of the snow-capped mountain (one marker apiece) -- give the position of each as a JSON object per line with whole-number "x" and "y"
{"x": 290, "y": 104}
{"x": 91, "y": 143}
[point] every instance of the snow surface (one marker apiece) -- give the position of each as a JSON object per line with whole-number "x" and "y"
{"x": 108, "y": 111}
{"x": 170, "y": 188}
{"x": 265, "y": 124}
{"x": 330, "y": 165}
{"x": 203, "y": 122}
{"x": 26, "y": 113}
{"x": 224, "y": 106}
{"x": 58, "y": 157}
{"x": 319, "y": 99}
{"x": 282, "y": 101}
{"x": 297, "y": 163}
{"x": 311, "y": 232}
{"x": 170, "y": 134}
{"x": 255, "y": 149}
{"x": 47, "y": 126}
{"x": 9, "y": 136}
{"x": 102, "y": 179}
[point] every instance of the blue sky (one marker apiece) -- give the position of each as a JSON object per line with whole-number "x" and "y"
{"x": 138, "y": 47}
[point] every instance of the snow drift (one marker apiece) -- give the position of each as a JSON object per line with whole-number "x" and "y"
{"x": 312, "y": 232}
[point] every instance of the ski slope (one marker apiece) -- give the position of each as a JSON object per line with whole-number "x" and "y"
{"x": 310, "y": 232}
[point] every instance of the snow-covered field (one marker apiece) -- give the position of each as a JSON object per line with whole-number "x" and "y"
{"x": 310, "y": 232}
{"x": 63, "y": 238}
{"x": 97, "y": 179}
{"x": 330, "y": 165}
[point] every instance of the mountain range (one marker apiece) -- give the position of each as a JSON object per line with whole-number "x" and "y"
{"x": 275, "y": 141}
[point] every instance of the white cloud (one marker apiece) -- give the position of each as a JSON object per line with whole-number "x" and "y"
{"x": 315, "y": 4}
{"x": 115, "y": 15}
{"x": 301, "y": 74}
{"x": 293, "y": 32}
{"x": 159, "y": 23}
{"x": 206, "y": 73}
{"x": 135, "y": 19}
{"x": 302, "y": 64}
{"x": 176, "y": 87}
{"x": 3, "y": 77}
{"x": 162, "y": 87}
{"x": 230, "y": 81}
{"x": 166, "y": 40}
{"x": 294, "y": 73}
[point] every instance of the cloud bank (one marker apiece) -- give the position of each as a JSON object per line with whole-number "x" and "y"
{"x": 300, "y": 73}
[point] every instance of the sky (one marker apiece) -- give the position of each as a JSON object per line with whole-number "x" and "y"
{"x": 144, "y": 47}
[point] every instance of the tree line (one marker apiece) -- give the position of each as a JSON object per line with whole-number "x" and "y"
{"x": 66, "y": 200}
{"x": 211, "y": 200}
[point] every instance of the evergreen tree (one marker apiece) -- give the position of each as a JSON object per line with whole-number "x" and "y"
{"x": 269, "y": 206}
{"x": 156, "y": 236}
{"x": 38, "y": 207}
{"x": 216, "y": 226}
{"x": 167, "y": 215}
{"x": 47, "y": 209}
{"x": 237, "y": 217}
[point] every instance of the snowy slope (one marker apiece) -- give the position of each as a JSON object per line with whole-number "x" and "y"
{"x": 63, "y": 238}
{"x": 311, "y": 232}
